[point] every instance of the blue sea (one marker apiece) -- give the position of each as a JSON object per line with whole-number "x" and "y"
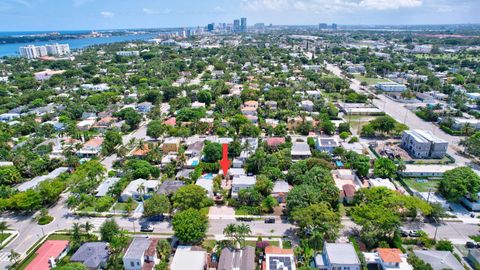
{"x": 12, "y": 49}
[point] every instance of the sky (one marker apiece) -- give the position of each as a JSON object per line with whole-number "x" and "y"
{"x": 31, "y": 15}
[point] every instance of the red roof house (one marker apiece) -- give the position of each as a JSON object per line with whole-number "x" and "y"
{"x": 50, "y": 250}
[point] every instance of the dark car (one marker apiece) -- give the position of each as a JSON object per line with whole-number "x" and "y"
{"x": 146, "y": 228}
{"x": 470, "y": 245}
{"x": 269, "y": 220}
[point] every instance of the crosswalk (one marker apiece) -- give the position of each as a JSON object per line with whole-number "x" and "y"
{"x": 4, "y": 256}
{"x": 96, "y": 222}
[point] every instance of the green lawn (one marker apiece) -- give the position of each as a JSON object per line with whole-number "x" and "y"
{"x": 122, "y": 206}
{"x": 3, "y": 236}
{"x": 370, "y": 81}
{"x": 421, "y": 186}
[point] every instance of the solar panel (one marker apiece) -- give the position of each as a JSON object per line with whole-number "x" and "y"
{"x": 280, "y": 263}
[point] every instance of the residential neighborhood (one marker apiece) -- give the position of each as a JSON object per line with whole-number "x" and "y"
{"x": 240, "y": 147}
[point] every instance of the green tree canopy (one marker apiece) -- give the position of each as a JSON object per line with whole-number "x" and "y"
{"x": 384, "y": 168}
{"x": 459, "y": 182}
{"x": 191, "y": 196}
{"x": 190, "y": 226}
{"x": 156, "y": 205}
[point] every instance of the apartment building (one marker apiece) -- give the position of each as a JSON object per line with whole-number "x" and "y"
{"x": 423, "y": 144}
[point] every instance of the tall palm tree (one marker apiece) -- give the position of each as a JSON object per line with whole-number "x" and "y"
{"x": 131, "y": 142}
{"x": 76, "y": 232}
{"x": 141, "y": 190}
{"x": 87, "y": 227}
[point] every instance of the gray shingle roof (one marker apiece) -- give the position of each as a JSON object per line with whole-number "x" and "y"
{"x": 91, "y": 254}
{"x": 439, "y": 259}
{"x": 137, "y": 248}
{"x": 243, "y": 259}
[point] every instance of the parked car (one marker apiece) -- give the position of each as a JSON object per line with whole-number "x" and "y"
{"x": 471, "y": 245}
{"x": 270, "y": 220}
{"x": 146, "y": 228}
{"x": 413, "y": 234}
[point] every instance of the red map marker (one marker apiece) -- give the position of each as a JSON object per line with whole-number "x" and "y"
{"x": 225, "y": 163}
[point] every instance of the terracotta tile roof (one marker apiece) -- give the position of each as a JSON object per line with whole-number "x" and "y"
{"x": 390, "y": 255}
{"x": 349, "y": 190}
{"x": 51, "y": 248}
{"x": 171, "y": 121}
{"x": 141, "y": 152}
{"x": 275, "y": 141}
{"x": 277, "y": 250}
{"x": 152, "y": 249}
{"x": 95, "y": 142}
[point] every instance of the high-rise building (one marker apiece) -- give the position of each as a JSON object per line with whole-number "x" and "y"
{"x": 334, "y": 26}
{"x": 210, "y": 27}
{"x": 236, "y": 25}
{"x": 259, "y": 25}
{"x": 322, "y": 26}
{"x": 58, "y": 49}
{"x": 243, "y": 24}
{"x": 31, "y": 51}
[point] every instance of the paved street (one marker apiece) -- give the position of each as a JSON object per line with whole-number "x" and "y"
{"x": 457, "y": 232}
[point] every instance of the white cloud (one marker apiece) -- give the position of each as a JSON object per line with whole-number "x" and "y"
{"x": 156, "y": 12}
{"x": 107, "y": 14}
{"x": 390, "y": 4}
{"x": 318, "y": 6}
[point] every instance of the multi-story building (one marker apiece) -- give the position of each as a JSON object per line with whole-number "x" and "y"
{"x": 128, "y": 53}
{"x": 31, "y": 51}
{"x": 243, "y": 24}
{"x": 58, "y": 49}
{"x": 236, "y": 25}
{"x": 391, "y": 87}
{"x": 423, "y": 144}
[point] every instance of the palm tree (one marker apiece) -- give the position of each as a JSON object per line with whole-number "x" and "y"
{"x": 131, "y": 142}
{"x": 237, "y": 233}
{"x": 122, "y": 152}
{"x": 141, "y": 190}
{"x": 3, "y": 226}
{"x": 87, "y": 227}
{"x": 76, "y": 233}
{"x": 141, "y": 144}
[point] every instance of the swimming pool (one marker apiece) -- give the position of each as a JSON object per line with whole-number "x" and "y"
{"x": 208, "y": 176}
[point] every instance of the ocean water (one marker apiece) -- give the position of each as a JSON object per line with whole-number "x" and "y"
{"x": 12, "y": 49}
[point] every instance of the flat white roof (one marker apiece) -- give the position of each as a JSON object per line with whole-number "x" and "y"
{"x": 430, "y": 168}
{"x": 186, "y": 258}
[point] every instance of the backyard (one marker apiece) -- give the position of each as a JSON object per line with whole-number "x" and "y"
{"x": 421, "y": 185}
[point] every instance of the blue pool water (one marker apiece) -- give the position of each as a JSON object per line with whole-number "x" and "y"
{"x": 195, "y": 163}
{"x": 208, "y": 176}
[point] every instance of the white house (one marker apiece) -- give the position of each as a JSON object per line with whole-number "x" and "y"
{"x": 327, "y": 144}
{"x": 188, "y": 257}
{"x": 242, "y": 182}
{"x": 138, "y": 188}
{"x": 337, "y": 256}
{"x": 140, "y": 252}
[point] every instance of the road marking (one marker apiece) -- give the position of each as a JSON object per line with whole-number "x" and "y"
{"x": 4, "y": 256}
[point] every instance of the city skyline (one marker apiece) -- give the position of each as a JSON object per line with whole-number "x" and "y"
{"x": 20, "y": 15}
